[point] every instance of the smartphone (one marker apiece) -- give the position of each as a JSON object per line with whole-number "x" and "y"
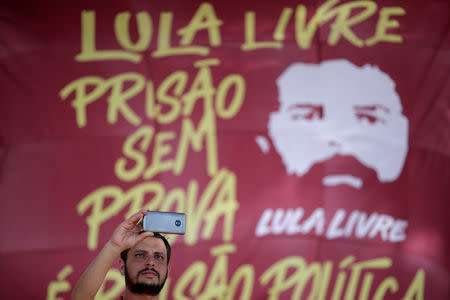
{"x": 164, "y": 222}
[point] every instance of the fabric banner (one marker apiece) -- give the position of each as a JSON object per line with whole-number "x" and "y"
{"x": 307, "y": 142}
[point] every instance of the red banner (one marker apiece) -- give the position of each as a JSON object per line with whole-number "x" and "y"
{"x": 306, "y": 141}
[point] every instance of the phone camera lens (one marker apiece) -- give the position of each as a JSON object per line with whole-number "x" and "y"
{"x": 178, "y": 223}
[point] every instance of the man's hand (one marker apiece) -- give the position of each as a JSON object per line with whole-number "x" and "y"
{"x": 127, "y": 234}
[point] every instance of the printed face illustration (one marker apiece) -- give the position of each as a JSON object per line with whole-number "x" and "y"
{"x": 339, "y": 109}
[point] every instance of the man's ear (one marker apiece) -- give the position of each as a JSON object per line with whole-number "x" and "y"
{"x": 122, "y": 267}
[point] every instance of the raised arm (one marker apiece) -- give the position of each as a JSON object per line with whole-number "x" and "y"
{"x": 125, "y": 236}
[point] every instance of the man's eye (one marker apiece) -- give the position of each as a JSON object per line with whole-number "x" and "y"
{"x": 159, "y": 257}
{"x": 361, "y": 116}
{"x": 139, "y": 255}
{"x": 306, "y": 112}
{"x": 371, "y": 113}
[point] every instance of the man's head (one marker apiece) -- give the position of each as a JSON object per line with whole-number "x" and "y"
{"x": 146, "y": 265}
{"x": 339, "y": 109}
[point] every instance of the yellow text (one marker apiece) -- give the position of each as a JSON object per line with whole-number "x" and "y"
{"x": 345, "y": 18}
{"x": 294, "y": 273}
{"x": 170, "y": 101}
{"x": 289, "y": 278}
{"x": 61, "y": 285}
{"x": 217, "y": 201}
{"x": 204, "y": 19}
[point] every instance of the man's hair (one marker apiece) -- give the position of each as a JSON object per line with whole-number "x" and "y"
{"x": 124, "y": 253}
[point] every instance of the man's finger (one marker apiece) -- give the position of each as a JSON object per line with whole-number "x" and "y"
{"x": 137, "y": 216}
{"x": 143, "y": 236}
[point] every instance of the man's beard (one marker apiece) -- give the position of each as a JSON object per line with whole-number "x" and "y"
{"x": 151, "y": 289}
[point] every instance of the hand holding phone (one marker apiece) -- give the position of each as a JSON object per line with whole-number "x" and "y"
{"x": 164, "y": 222}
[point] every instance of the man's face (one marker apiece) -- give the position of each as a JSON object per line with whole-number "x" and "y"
{"x": 337, "y": 109}
{"x": 146, "y": 268}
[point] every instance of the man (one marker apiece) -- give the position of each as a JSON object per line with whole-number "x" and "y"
{"x": 144, "y": 262}
{"x": 346, "y": 117}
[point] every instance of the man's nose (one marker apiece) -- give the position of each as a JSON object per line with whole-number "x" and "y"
{"x": 150, "y": 261}
{"x": 333, "y": 143}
